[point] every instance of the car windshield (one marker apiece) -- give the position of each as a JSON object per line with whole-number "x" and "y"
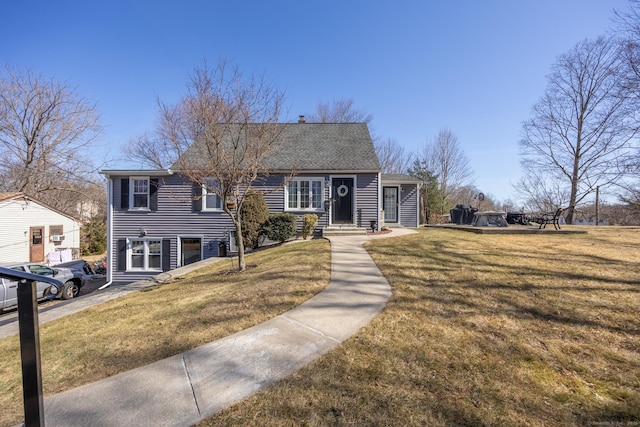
{"x": 41, "y": 270}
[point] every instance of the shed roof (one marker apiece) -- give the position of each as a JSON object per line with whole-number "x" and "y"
{"x": 398, "y": 177}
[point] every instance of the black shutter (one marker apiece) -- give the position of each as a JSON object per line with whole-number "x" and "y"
{"x": 153, "y": 194}
{"x": 196, "y": 196}
{"x": 166, "y": 254}
{"x": 124, "y": 193}
{"x": 122, "y": 255}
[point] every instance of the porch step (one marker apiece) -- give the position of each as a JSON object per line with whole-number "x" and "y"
{"x": 344, "y": 230}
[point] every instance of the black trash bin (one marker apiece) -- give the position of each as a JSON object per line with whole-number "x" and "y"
{"x": 456, "y": 215}
{"x": 469, "y": 214}
{"x": 222, "y": 248}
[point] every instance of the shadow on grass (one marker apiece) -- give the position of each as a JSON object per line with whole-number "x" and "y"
{"x": 560, "y": 312}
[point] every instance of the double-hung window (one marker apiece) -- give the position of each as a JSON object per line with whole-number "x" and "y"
{"x": 145, "y": 254}
{"x": 210, "y": 200}
{"x": 139, "y": 193}
{"x": 304, "y": 194}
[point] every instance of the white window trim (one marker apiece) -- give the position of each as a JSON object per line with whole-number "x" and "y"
{"x": 398, "y": 202}
{"x": 187, "y": 236}
{"x": 132, "y": 194}
{"x": 205, "y": 193}
{"x": 298, "y": 209}
{"x": 231, "y": 236}
{"x": 146, "y": 254}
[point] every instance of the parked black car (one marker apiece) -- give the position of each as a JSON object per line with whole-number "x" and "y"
{"x": 78, "y": 264}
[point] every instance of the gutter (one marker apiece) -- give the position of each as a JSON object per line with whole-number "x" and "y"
{"x": 109, "y": 233}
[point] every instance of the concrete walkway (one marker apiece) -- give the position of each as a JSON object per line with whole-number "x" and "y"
{"x": 186, "y": 388}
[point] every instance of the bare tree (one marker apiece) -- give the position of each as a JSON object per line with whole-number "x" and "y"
{"x": 582, "y": 127}
{"x": 149, "y": 150}
{"x": 392, "y": 156}
{"x": 472, "y": 196}
{"x": 445, "y": 159}
{"x": 46, "y": 135}
{"x": 341, "y": 111}
{"x": 629, "y": 31}
{"x": 541, "y": 194}
{"x": 221, "y": 132}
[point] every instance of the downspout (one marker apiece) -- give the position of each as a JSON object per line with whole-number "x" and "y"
{"x": 379, "y": 226}
{"x": 109, "y": 232}
{"x": 418, "y": 205}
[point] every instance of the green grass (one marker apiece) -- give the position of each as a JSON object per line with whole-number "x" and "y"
{"x": 481, "y": 330}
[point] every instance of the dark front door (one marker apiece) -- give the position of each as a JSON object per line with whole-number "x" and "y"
{"x": 36, "y": 246}
{"x": 191, "y": 250}
{"x": 342, "y": 192}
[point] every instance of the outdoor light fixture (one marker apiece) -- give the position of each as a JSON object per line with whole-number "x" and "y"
{"x": 142, "y": 232}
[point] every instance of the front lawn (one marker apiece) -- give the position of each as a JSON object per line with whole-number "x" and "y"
{"x": 164, "y": 320}
{"x": 495, "y": 330}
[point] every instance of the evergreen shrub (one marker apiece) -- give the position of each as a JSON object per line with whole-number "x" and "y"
{"x": 309, "y": 223}
{"x": 280, "y": 227}
{"x": 254, "y": 213}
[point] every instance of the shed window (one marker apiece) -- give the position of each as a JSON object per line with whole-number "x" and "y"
{"x": 55, "y": 230}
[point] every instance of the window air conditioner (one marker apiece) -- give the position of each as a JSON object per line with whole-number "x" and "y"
{"x": 58, "y": 238}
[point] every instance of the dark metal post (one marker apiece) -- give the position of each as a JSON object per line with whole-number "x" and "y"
{"x": 30, "y": 354}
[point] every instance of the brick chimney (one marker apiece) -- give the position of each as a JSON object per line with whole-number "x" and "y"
{"x": 301, "y": 119}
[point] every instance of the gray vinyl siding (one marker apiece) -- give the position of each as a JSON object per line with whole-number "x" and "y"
{"x": 176, "y": 216}
{"x": 409, "y": 205}
{"x": 367, "y": 200}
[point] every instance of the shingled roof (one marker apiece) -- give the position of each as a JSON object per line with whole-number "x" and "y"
{"x": 325, "y": 146}
{"x": 306, "y": 147}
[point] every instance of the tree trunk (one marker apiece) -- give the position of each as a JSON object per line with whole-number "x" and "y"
{"x": 240, "y": 243}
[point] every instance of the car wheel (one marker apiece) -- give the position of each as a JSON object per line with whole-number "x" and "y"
{"x": 70, "y": 290}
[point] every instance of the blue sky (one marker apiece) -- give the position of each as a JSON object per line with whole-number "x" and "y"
{"x": 474, "y": 67}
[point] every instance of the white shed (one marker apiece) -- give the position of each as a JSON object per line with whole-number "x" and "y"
{"x": 32, "y": 231}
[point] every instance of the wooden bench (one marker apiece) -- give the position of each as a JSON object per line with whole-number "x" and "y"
{"x": 550, "y": 218}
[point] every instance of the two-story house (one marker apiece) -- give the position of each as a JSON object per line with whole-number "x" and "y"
{"x": 159, "y": 220}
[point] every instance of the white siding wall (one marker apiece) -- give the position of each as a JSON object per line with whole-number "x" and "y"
{"x": 16, "y": 218}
